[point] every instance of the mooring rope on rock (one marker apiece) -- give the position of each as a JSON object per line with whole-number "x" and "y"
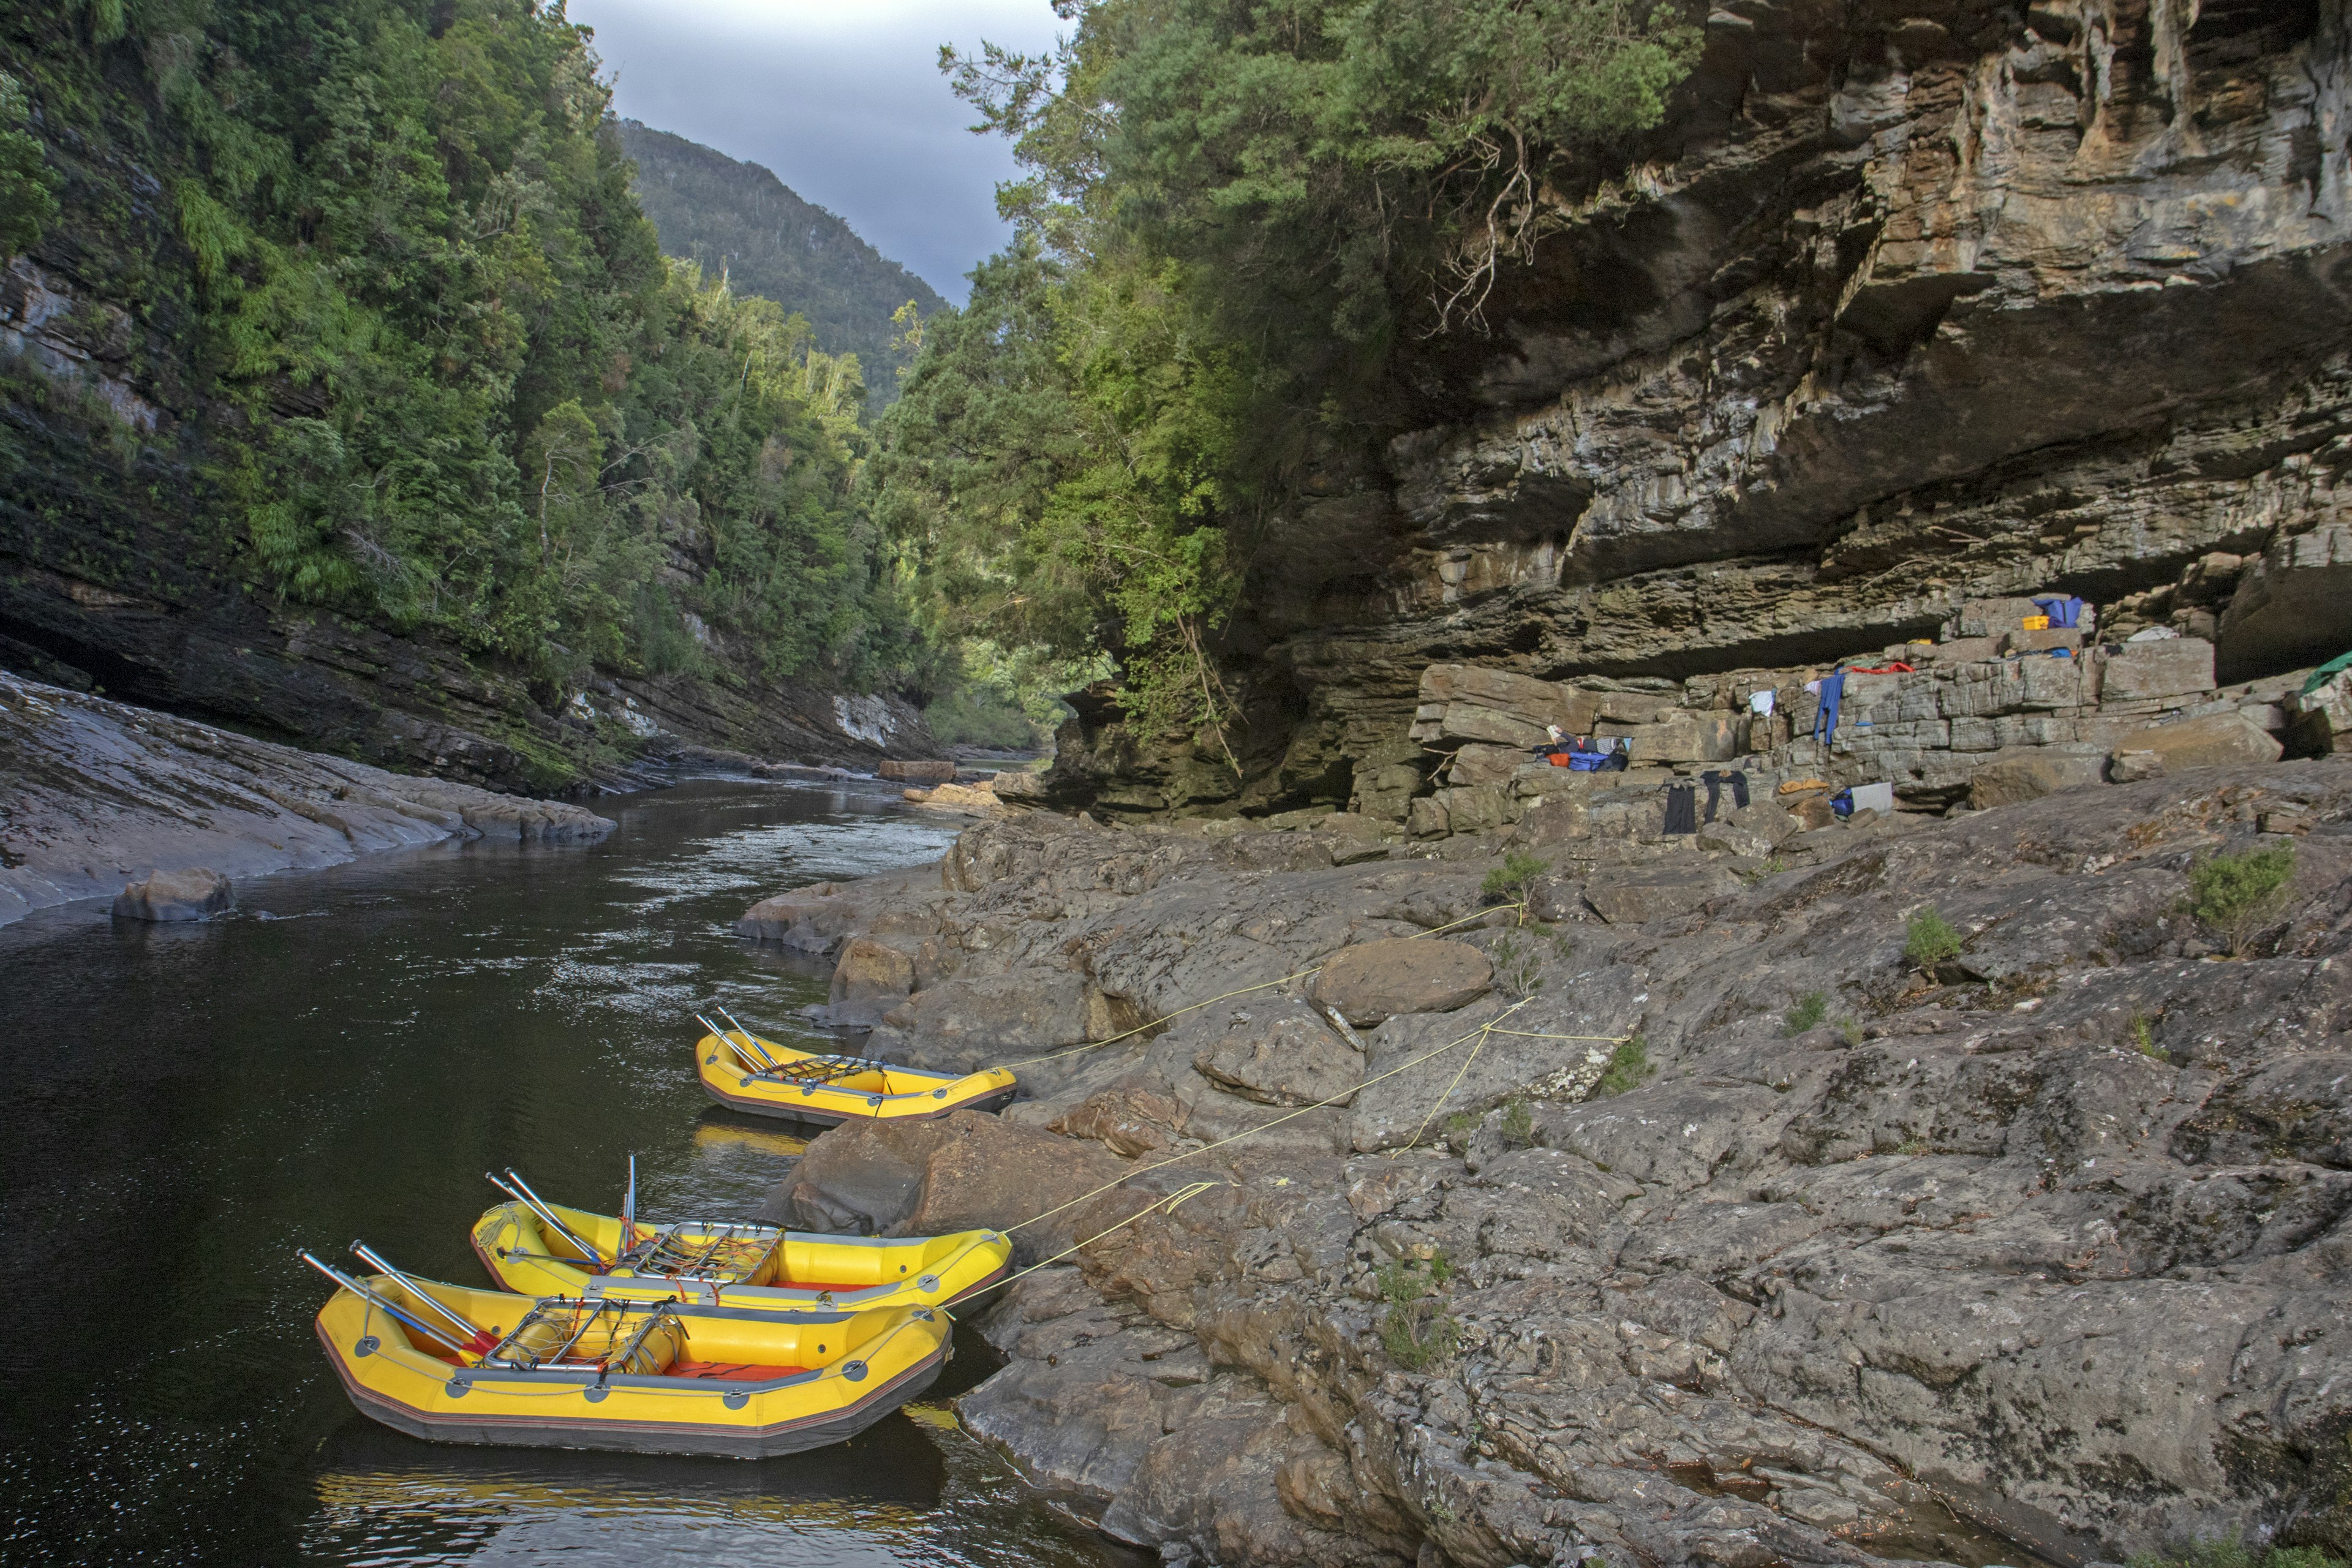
{"x": 1286, "y": 1116}
{"x": 1060, "y": 1051}
{"x": 1168, "y": 1203}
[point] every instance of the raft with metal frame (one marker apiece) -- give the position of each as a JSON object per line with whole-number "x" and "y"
{"x": 743, "y": 1072}
{"x": 457, "y": 1366}
{"x": 540, "y": 1248}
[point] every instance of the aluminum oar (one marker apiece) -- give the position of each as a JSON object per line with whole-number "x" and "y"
{"x": 375, "y": 1298}
{"x": 478, "y": 1342}
{"x": 520, "y": 1191}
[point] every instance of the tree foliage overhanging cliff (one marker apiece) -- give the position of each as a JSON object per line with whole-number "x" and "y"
{"x": 1234, "y": 214}
{"x": 444, "y": 379}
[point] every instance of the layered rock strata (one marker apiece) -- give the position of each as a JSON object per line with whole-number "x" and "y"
{"x": 2039, "y": 1251}
{"x": 93, "y": 793}
{"x": 1901, "y": 307}
{"x": 1998, "y": 712}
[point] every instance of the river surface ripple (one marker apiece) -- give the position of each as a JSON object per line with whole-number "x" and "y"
{"x": 343, "y": 1057}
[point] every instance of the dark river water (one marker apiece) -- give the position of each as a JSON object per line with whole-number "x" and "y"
{"x": 187, "y": 1105}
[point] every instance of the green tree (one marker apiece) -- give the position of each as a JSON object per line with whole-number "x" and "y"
{"x": 28, "y": 189}
{"x": 1229, "y": 218}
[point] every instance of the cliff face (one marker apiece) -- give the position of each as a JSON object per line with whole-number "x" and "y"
{"x": 1902, "y": 307}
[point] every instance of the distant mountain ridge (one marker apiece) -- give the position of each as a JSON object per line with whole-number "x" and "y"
{"x": 723, "y": 213}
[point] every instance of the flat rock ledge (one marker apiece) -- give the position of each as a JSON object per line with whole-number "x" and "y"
{"x": 95, "y": 794}
{"x": 2040, "y": 1258}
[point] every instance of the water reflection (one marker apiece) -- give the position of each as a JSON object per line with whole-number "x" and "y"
{"x": 191, "y": 1103}
{"x": 912, "y": 1490}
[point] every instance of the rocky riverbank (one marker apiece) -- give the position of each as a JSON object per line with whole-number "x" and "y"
{"x": 1721, "y": 1211}
{"x": 93, "y": 793}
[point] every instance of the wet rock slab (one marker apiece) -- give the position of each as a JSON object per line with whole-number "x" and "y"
{"x": 2020, "y": 1258}
{"x": 96, "y": 791}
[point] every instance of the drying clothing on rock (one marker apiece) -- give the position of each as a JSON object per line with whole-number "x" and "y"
{"x": 1826, "y": 721}
{"x": 1681, "y": 809}
{"x": 1897, "y": 668}
{"x": 1715, "y": 782}
{"x": 1759, "y": 703}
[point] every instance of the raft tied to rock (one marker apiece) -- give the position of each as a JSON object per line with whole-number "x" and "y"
{"x": 755, "y": 1267}
{"x": 743, "y": 1072}
{"x": 438, "y": 1362}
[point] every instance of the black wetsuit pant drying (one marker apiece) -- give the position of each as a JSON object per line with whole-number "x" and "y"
{"x": 1715, "y": 782}
{"x": 1681, "y": 809}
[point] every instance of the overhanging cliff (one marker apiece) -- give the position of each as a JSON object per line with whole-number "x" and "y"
{"x": 1902, "y": 307}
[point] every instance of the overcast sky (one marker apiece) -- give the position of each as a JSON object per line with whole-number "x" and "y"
{"x": 843, "y": 99}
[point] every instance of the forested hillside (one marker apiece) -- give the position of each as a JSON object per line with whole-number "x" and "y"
{"x": 332, "y": 324}
{"x": 738, "y": 217}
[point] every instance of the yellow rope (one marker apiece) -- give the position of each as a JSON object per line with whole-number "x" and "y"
{"x": 1431, "y": 1115}
{"x": 1163, "y": 1205}
{"x": 1261, "y": 985}
{"x": 1265, "y": 1126}
{"x": 1534, "y": 1034}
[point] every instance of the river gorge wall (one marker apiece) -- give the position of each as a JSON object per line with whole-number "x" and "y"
{"x": 1902, "y": 307}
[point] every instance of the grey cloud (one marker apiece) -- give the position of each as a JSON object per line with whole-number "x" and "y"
{"x": 844, "y": 101}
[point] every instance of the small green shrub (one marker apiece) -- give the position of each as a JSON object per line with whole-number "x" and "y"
{"x": 1460, "y": 1125}
{"x": 1417, "y": 1330}
{"x": 2238, "y": 895}
{"x": 1808, "y": 1013}
{"x": 1509, "y": 882}
{"x": 1850, "y": 1030}
{"x": 1629, "y": 1066}
{"x": 2231, "y": 1551}
{"x": 2142, "y": 1039}
{"x": 1519, "y": 1128}
{"x": 1928, "y": 939}
{"x": 1520, "y": 960}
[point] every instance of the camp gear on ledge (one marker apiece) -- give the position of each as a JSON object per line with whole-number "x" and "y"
{"x": 2327, "y": 672}
{"x": 745, "y": 1072}
{"x": 1586, "y": 753}
{"x": 1897, "y": 668}
{"x": 651, "y": 1377}
{"x": 715, "y": 1263}
{"x": 2063, "y": 610}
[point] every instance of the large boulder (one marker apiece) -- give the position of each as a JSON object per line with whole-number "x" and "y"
{"x": 2166, "y": 666}
{"x": 1373, "y": 981}
{"x": 1688, "y": 737}
{"x": 1635, "y": 895}
{"x": 2031, "y": 773}
{"x": 2291, "y": 607}
{"x": 197, "y": 894}
{"x": 2214, "y": 741}
{"x": 1277, "y": 1052}
{"x": 810, "y": 920}
{"x": 869, "y": 980}
{"x": 961, "y": 1023}
{"x": 965, "y": 1172}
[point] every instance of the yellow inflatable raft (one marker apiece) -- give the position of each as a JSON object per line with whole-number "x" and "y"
{"x": 744, "y": 1072}
{"x": 571, "y": 1252}
{"x": 456, "y": 1365}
